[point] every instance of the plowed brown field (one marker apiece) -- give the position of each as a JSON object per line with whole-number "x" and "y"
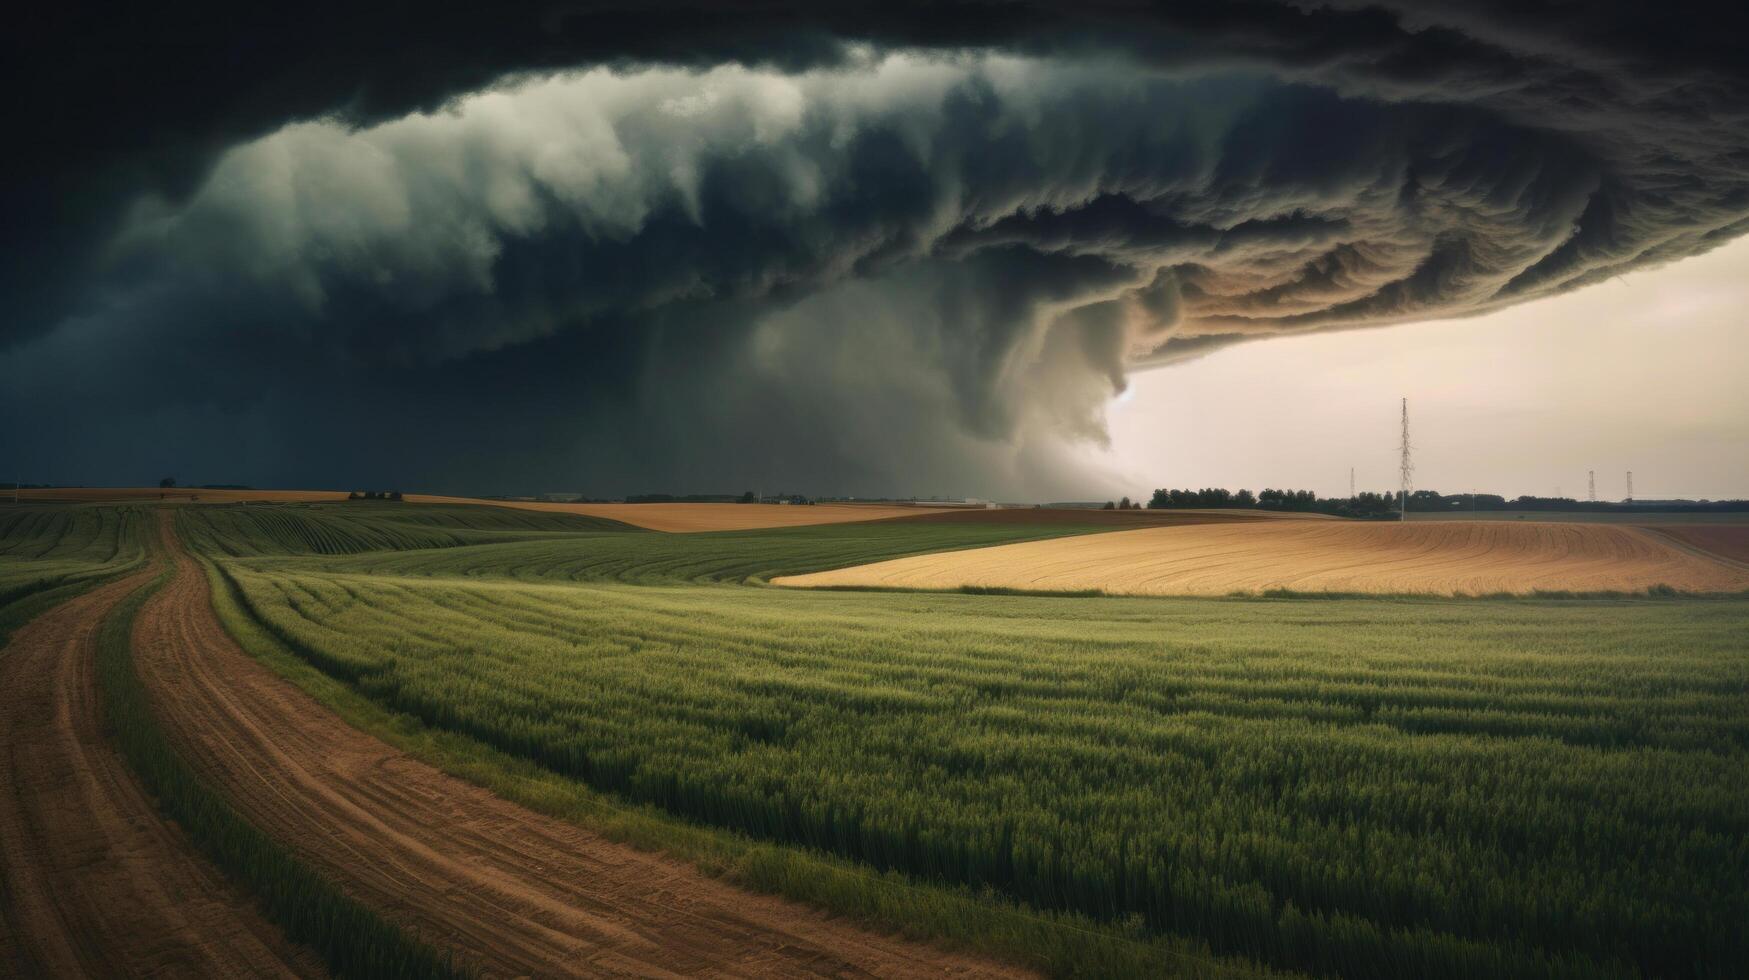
{"x": 510, "y": 890}
{"x": 96, "y": 883}
{"x": 1730, "y": 541}
{"x": 1468, "y": 557}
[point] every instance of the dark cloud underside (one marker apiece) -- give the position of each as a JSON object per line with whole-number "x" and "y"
{"x": 854, "y": 248}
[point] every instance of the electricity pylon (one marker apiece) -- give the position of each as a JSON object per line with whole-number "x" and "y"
{"x": 1405, "y": 467}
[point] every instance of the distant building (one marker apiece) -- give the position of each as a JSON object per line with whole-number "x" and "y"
{"x": 561, "y": 498}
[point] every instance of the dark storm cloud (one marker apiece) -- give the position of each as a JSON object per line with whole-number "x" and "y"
{"x": 885, "y": 239}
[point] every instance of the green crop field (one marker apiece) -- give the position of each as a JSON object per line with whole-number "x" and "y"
{"x": 662, "y": 559}
{"x": 49, "y": 552}
{"x": 1345, "y": 786}
{"x": 361, "y": 526}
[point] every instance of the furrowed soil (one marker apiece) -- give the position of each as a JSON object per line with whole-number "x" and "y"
{"x": 510, "y": 891}
{"x": 96, "y": 883}
{"x": 1729, "y": 541}
{"x": 1464, "y": 557}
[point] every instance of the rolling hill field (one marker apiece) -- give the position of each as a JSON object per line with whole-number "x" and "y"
{"x": 1444, "y": 558}
{"x": 690, "y": 518}
{"x": 488, "y": 706}
{"x": 49, "y": 554}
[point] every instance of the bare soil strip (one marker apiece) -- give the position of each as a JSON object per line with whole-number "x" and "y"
{"x": 96, "y": 883}
{"x": 510, "y": 890}
{"x": 1727, "y": 541}
{"x": 1459, "y": 557}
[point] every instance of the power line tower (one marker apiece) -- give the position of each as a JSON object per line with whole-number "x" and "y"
{"x": 1591, "y": 485}
{"x": 1351, "y": 483}
{"x": 1405, "y": 467}
{"x": 1630, "y": 486}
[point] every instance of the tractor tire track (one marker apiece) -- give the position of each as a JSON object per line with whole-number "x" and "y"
{"x": 96, "y": 882}
{"x": 510, "y": 891}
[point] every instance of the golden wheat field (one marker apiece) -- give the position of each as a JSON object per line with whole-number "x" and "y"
{"x": 1460, "y": 557}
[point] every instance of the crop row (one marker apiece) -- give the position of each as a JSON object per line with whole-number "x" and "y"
{"x": 355, "y": 527}
{"x": 1369, "y": 788}
{"x": 91, "y": 534}
{"x": 721, "y": 556}
{"x": 49, "y": 552}
{"x": 352, "y": 939}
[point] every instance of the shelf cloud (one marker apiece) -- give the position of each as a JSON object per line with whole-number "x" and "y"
{"x": 858, "y": 252}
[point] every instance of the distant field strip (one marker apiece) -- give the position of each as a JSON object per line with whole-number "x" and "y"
{"x": 1467, "y": 557}
{"x": 1636, "y": 518}
{"x": 1370, "y": 789}
{"x": 692, "y": 518}
{"x": 353, "y": 527}
{"x": 1729, "y": 541}
{"x": 176, "y": 495}
{"x": 646, "y": 558}
{"x": 682, "y": 518}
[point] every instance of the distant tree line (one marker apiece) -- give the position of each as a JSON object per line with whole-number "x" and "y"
{"x": 1363, "y": 505}
{"x": 1368, "y": 504}
{"x": 748, "y": 497}
{"x": 1433, "y": 501}
{"x": 374, "y": 495}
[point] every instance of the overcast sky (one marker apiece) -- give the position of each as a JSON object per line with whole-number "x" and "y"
{"x": 1649, "y": 373}
{"x": 878, "y": 249}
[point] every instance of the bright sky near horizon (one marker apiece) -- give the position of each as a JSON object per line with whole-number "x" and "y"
{"x": 1649, "y": 373}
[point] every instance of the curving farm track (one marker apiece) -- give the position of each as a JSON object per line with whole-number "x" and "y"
{"x": 1438, "y": 557}
{"x": 510, "y": 890}
{"x": 96, "y": 883}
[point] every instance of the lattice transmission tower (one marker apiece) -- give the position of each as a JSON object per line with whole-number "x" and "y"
{"x": 1630, "y": 486}
{"x": 1591, "y": 485}
{"x": 1404, "y": 466}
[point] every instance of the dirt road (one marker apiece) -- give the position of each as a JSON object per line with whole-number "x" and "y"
{"x": 95, "y": 882}
{"x": 510, "y": 890}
